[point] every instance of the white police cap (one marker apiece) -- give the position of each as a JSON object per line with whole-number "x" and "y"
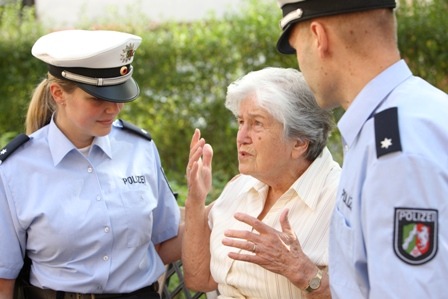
{"x": 301, "y": 10}
{"x": 98, "y": 61}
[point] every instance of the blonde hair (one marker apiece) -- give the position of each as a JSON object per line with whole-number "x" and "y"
{"x": 42, "y": 105}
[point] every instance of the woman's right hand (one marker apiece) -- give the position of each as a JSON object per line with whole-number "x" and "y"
{"x": 199, "y": 169}
{"x": 196, "y": 238}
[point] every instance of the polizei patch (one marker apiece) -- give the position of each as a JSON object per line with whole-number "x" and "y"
{"x": 415, "y": 235}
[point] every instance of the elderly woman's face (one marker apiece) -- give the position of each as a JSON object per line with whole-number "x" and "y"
{"x": 262, "y": 151}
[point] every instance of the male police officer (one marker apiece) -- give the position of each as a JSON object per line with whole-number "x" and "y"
{"x": 389, "y": 231}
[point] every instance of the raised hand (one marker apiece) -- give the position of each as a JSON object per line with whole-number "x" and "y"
{"x": 199, "y": 168}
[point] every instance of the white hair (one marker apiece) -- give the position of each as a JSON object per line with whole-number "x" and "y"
{"x": 284, "y": 93}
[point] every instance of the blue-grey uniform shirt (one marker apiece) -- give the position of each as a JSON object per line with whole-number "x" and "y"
{"x": 89, "y": 224}
{"x": 389, "y": 231}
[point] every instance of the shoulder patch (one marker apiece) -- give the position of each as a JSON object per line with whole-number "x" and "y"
{"x": 12, "y": 146}
{"x": 136, "y": 130}
{"x": 415, "y": 235}
{"x": 387, "y": 133}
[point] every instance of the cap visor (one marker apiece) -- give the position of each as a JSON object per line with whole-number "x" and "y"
{"x": 283, "y": 45}
{"x": 121, "y": 93}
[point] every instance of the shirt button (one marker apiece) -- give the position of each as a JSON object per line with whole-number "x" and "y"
{"x": 105, "y": 258}
{"x": 106, "y": 229}
{"x": 89, "y": 169}
{"x": 98, "y": 197}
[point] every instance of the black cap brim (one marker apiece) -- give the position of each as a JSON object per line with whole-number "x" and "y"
{"x": 121, "y": 93}
{"x": 314, "y": 9}
{"x": 283, "y": 45}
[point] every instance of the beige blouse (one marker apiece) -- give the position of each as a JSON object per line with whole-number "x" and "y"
{"x": 310, "y": 201}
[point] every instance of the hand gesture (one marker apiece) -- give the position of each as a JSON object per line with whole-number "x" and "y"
{"x": 277, "y": 251}
{"x": 199, "y": 168}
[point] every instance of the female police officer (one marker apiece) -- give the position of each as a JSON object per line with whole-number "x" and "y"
{"x": 85, "y": 197}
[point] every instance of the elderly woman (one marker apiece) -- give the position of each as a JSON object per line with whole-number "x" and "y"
{"x": 266, "y": 236}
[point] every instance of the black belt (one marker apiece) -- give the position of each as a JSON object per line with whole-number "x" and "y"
{"x": 38, "y": 293}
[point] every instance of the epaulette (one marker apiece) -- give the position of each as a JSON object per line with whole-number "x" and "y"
{"x": 136, "y": 130}
{"x": 387, "y": 133}
{"x": 12, "y": 146}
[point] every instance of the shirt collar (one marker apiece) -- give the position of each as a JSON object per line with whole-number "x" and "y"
{"x": 60, "y": 145}
{"x": 103, "y": 143}
{"x": 370, "y": 97}
{"x": 309, "y": 185}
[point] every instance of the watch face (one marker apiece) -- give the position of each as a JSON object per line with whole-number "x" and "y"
{"x": 314, "y": 283}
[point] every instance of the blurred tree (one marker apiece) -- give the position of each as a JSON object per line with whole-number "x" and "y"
{"x": 183, "y": 70}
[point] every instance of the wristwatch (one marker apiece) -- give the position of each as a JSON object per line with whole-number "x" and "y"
{"x": 314, "y": 283}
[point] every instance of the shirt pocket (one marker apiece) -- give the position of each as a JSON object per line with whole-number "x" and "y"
{"x": 342, "y": 250}
{"x": 139, "y": 206}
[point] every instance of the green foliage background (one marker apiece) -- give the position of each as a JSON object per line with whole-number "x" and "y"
{"x": 183, "y": 70}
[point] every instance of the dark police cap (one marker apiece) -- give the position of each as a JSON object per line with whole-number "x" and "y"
{"x": 296, "y": 11}
{"x": 98, "y": 61}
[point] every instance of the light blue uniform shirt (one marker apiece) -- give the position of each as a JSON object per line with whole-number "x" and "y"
{"x": 386, "y": 205}
{"x": 92, "y": 222}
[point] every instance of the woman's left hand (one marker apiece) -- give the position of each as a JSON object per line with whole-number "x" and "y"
{"x": 276, "y": 251}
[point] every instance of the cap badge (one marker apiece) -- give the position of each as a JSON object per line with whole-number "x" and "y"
{"x": 123, "y": 70}
{"x": 128, "y": 53}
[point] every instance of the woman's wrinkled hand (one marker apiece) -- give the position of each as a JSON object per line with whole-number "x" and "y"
{"x": 199, "y": 168}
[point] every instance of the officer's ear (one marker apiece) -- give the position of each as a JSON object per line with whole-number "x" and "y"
{"x": 320, "y": 34}
{"x": 57, "y": 93}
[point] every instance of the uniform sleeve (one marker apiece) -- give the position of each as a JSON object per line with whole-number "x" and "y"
{"x": 12, "y": 237}
{"x": 167, "y": 213}
{"x": 404, "y": 220}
